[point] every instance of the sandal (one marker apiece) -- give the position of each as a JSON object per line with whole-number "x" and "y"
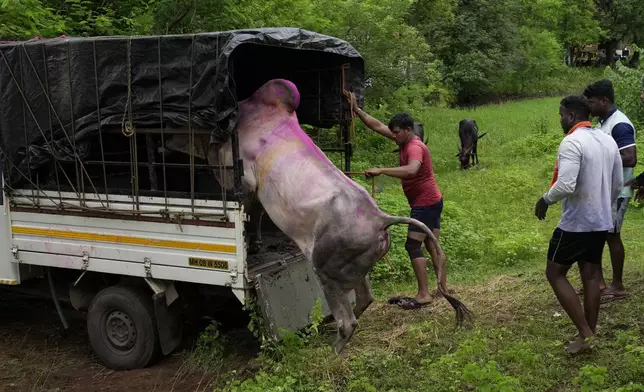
{"x": 580, "y": 291}
{"x": 612, "y": 296}
{"x": 408, "y": 303}
{"x": 399, "y": 300}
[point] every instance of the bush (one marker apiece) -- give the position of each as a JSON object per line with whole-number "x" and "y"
{"x": 628, "y": 88}
{"x": 539, "y": 65}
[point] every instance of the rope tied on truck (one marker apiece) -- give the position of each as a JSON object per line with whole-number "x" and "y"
{"x": 128, "y": 127}
{"x": 59, "y": 119}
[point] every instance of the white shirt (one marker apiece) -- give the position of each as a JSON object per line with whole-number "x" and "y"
{"x": 622, "y": 131}
{"x": 589, "y": 181}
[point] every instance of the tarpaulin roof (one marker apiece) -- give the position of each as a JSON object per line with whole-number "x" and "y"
{"x": 58, "y": 93}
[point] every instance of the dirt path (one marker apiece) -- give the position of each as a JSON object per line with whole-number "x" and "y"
{"x": 37, "y": 354}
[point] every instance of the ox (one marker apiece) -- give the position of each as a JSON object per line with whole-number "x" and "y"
{"x": 468, "y": 132}
{"x": 333, "y": 220}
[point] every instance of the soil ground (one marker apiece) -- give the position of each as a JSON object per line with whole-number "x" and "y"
{"x": 38, "y": 354}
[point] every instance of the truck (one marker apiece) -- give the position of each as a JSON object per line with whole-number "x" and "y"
{"x": 104, "y": 207}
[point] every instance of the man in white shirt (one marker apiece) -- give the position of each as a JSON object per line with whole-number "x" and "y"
{"x": 601, "y": 99}
{"x": 588, "y": 178}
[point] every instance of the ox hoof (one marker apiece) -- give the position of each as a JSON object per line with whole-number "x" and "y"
{"x": 338, "y": 346}
{"x": 343, "y": 338}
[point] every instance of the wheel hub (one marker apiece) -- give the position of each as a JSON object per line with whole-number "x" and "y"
{"x": 121, "y": 332}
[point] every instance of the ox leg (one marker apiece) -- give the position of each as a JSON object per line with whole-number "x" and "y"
{"x": 341, "y": 310}
{"x": 364, "y": 298}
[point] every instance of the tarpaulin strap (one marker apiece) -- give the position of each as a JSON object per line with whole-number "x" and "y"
{"x": 128, "y": 127}
{"x": 33, "y": 116}
{"x": 352, "y": 126}
{"x": 352, "y": 129}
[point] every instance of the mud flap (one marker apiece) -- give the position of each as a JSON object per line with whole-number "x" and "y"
{"x": 287, "y": 295}
{"x": 168, "y": 323}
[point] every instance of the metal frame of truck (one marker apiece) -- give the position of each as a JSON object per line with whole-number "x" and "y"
{"x": 131, "y": 258}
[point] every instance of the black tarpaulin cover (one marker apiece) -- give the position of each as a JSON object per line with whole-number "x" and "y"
{"x": 57, "y": 93}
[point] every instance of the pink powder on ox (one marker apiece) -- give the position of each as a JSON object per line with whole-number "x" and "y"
{"x": 286, "y": 92}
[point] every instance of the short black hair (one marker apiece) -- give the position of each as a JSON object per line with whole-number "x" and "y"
{"x": 402, "y": 121}
{"x": 578, "y": 105}
{"x": 601, "y": 89}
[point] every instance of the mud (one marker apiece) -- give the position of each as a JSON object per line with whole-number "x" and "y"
{"x": 38, "y": 354}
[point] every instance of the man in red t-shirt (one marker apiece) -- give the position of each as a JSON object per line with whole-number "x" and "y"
{"x": 425, "y": 199}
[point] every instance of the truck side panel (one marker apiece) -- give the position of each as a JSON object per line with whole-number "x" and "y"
{"x": 203, "y": 254}
{"x": 9, "y": 272}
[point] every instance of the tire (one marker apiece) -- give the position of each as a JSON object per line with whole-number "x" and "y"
{"x": 122, "y": 328}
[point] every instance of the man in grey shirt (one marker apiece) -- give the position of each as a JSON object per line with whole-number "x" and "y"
{"x": 588, "y": 179}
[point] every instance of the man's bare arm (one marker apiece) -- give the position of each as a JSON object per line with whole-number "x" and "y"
{"x": 629, "y": 156}
{"x": 402, "y": 172}
{"x": 367, "y": 120}
{"x": 374, "y": 124}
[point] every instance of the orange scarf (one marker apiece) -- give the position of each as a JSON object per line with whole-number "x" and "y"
{"x": 586, "y": 124}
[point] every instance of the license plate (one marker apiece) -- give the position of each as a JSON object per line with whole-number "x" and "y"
{"x": 208, "y": 263}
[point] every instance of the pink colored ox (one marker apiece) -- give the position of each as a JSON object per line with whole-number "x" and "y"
{"x": 334, "y": 221}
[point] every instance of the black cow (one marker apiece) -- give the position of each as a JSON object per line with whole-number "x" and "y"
{"x": 468, "y": 132}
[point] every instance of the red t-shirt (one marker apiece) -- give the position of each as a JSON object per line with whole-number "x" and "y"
{"x": 421, "y": 190}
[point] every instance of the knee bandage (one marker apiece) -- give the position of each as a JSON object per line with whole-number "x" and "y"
{"x": 413, "y": 248}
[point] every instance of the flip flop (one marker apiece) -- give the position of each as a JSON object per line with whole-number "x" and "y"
{"x": 608, "y": 297}
{"x": 412, "y": 304}
{"x": 399, "y": 300}
{"x": 580, "y": 291}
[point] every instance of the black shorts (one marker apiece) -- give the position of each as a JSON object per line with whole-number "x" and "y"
{"x": 567, "y": 247}
{"x": 430, "y": 216}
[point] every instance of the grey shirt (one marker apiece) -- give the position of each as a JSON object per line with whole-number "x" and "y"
{"x": 589, "y": 181}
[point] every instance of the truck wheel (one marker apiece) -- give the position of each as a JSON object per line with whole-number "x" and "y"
{"x": 122, "y": 328}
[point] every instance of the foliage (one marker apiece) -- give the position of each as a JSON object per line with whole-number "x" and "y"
{"x": 25, "y": 19}
{"x": 210, "y": 349}
{"x": 620, "y": 18}
{"x": 417, "y": 52}
{"x": 628, "y": 84}
{"x": 572, "y": 21}
{"x": 591, "y": 377}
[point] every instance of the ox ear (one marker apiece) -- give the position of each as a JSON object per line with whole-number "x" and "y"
{"x": 279, "y": 92}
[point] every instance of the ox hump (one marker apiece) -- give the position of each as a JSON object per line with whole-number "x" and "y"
{"x": 279, "y": 92}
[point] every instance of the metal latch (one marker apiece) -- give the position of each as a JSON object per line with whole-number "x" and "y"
{"x": 147, "y": 264}
{"x": 233, "y": 274}
{"x": 85, "y": 261}
{"x": 14, "y": 252}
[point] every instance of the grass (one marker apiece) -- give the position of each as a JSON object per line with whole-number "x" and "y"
{"x": 496, "y": 252}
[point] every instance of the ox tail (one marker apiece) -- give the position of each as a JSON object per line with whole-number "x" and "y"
{"x": 484, "y": 133}
{"x": 462, "y": 312}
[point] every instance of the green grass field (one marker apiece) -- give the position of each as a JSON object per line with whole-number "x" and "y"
{"x": 496, "y": 253}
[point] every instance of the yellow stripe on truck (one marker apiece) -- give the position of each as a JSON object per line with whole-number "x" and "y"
{"x": 10, "y": 282}
{"x": 120, "y": 239}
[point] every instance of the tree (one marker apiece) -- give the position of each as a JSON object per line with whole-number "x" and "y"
{"x": 572, "y": 21}
{"x": 620, "y": 19}
{"x": 395, "y": 53}
{"x": 25, "y": 19}
{"x": 478, "y": 46}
